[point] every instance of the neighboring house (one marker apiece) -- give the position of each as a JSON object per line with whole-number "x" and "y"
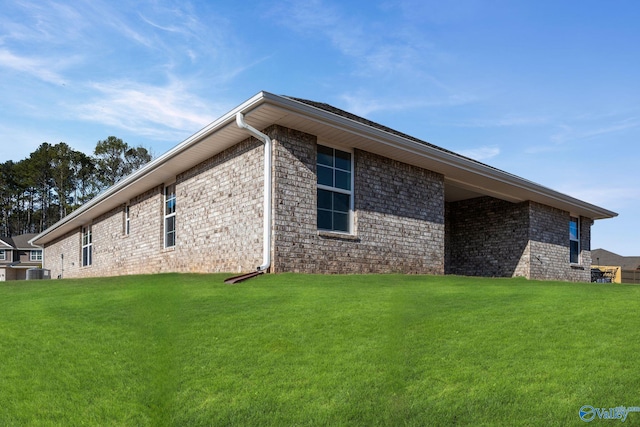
{"x": 17, "y": 255}
{"x": 336, "y": 193}
{"x": 618, "y": 268}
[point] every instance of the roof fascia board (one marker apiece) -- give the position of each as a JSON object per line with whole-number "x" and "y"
{"x": 152, "y": 166}
{"x": 348, "y": 125}
{"x": 443, "y": 157}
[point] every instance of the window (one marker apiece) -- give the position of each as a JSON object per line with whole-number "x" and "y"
{"x": 3, "y": 255}
{"x": 335, "y": 195}
{"x": 87, "y": 246}
{"x": 127, "y": 223}
{"x": 170, "y": 216}
{"x": 36, "y": 255}
{"x": 574, "y": 240}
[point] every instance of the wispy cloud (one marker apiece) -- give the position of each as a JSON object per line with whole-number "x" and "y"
{"x": 388, "y": 52}
{"x": 43, "y": 22}
{"x": 582, "y": 129}
{"x": 41, "y": 68}
{"x": 364, "y": 103}
{"x": 612, "y": 196}
{"x": 503, "y": 121}
{"x": 570, "y": 132}
{"x": 353, "y": 37}
{"x": 146, "y": 109}
{"x": 140, "y": 70}
{"x": 481, "y": 153}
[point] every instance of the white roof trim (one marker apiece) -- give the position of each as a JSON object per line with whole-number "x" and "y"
{"x": 460, "y": 171}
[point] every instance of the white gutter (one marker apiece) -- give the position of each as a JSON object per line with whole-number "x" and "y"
{"x": 266, "y": 231}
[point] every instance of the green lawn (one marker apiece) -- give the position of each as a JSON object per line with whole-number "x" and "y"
{"x": 287, "y": 350}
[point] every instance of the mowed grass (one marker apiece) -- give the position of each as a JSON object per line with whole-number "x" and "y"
{"x": 304, "y": 350}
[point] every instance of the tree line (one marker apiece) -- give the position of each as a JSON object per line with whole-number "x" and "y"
{"x": 54, "y": 180}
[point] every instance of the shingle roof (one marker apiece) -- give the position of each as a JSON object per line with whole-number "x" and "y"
{"x": 20, "y": 241}
{"x": 351, "y": 116}
{"x": 604, "y": 257}
{"x": 7, "y": 242}
{"x": 265, "y": 109}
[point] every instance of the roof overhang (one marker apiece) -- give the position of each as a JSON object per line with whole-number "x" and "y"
{"x": 464, "y": 177}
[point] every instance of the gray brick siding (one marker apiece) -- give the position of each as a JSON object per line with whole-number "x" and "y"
{"x": 549, "y": 247}
{"x": 491, "y": 237}
{"x": 486, "y": 237}
{"x": 398, "y": 218}
{"x": 399, "y": 223}
{"x": 218, "y": 224}
{"x": 220, "y": 208}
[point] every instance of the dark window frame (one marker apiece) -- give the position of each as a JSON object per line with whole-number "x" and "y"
{"x": 334, "y": 192}
{"x": 87, "y": 246}
{"x": 170, "y": 200}
{"x": 574, "y": 240}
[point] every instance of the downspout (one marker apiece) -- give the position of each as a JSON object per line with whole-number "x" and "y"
{"x": 266, "y": 229}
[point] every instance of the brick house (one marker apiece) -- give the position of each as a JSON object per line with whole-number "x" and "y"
{"x": 17, "y": 256}
{"x": 336, "y": 193}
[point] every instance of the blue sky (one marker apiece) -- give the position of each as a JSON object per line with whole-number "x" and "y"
{"x": 547, "y": 90}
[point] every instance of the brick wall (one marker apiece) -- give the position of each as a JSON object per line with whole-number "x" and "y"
{"x": 549, "y": 245}
{"x": 221, "y": 231}
{"x": 398, "y": 226}
{"x": 398, "y": 219}
{"x": 67, "y": 246}
{"x": 491, "y": 237}
{"x": 487, "y": 237}
{"x": 218, "y": 224}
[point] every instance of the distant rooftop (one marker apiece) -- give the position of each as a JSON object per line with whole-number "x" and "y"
{"x": 20, "y": 241}
{"x": 604, "y": 257}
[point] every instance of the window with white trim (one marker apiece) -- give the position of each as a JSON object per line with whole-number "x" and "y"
{"x": 3, "y": 255}
{"x": 170, "y": 216}
{"x": 334, "y": 192}
{"x": 574, "y": 240}
{"x": 35, "y": 255}
{"x": 87, "y": 246}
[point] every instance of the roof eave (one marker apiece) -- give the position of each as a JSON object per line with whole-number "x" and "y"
{"x": 446, "y": 160}
{"x": 77, "y": 217}
{"x": 544, "y": 195}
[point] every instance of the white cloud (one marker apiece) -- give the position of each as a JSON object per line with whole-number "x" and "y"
{"x": 351, "y": 36}
{"x": 388, "y": 50}
{"x": 569, "y": 133}
{"x": 363, "y": 104}
{"x": 581, "y": 129}
{"x": 41, "y": 68}
{"x": 502, "y": 122}
{"x": 611, "y": 196}
{"x": 148, "y": 110}
{"x": 481, "y": 153}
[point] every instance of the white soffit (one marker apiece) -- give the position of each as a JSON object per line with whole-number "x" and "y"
{"x": 465, "y": 176}
{"x": 459, "y": 171}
